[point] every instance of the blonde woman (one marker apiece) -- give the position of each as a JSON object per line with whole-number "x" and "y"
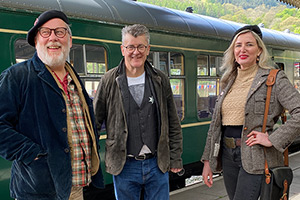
{"x": 234, "y": 141}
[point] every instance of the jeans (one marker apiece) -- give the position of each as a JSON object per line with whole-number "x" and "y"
{"x": 239, "y": 184}
{"x": 141, "y": 174}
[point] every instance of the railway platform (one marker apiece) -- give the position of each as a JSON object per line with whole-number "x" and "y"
{"x": 200, "y": 191}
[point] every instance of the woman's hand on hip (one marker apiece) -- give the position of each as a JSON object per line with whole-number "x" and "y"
{"x": 256, "y": 137}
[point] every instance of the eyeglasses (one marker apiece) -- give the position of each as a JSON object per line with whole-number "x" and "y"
{"x": 141, "y": 48}
{"x": 59, "y": 32}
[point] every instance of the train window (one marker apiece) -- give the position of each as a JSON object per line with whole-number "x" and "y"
{"x": 297, "y": 70}
{"x": 76, "y": 58}
{"x": 91, "y": 87}
{"x": 172, "y": 64}
{"x": 177, "y": 86}
{"x": 95, "y": 59}
{"x": 159, "y": 60}
{"x": 215, "y": 63}
{"x": 206, "y": 93}
{"x": 23, "y": 51}
{"x": 207, "y": 87}
{"x": 90, "y": 62}
{"x": 91, "y": 56}
{"x": 176, "y": 64}
{"x": 297, "y": 76}
{"x": 202, "y": 65}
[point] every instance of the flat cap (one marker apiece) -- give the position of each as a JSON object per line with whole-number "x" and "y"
{"x": 253, "y": 28}
{"x": 42, "y": 19}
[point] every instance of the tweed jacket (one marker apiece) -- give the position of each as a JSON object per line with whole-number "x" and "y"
{"x": 33, "y": 123}
{"x": 109, "y": 107}
{"x": 284, "y": 95}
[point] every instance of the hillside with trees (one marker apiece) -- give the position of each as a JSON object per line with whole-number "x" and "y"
{"x": 271, "y": 13}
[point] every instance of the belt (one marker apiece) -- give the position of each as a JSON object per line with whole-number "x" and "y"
{"x": 231, "y": 142}
{"x": 141, "y": 157}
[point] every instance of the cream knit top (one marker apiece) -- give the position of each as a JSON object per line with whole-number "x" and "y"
{"x": 233, "y": 106}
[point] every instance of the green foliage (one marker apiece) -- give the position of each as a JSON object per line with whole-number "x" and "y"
{"x": 98, "y": 68}
{"x": 249, "y": 4}
{"x": 297, "y": 30}
{"x": 273, "y": 14}
{"x": 286, "y": 13}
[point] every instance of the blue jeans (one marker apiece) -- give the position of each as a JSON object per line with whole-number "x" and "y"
{"x": 239, "y": 184}
{"x": 138, "y": 174}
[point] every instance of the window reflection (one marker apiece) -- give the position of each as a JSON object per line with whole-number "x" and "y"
{"x": 91, "y": 87}
{"x": 202, "y": 65}
{"x": 172, "y": 64}
{"x": 215, "y": 63}
{"x": 77, "y": 59}
{"x": 90, "y": 63}
{"x": 297, "y": 76}
{"x": 177, "y": 86}
{"x": 176, "y": 64}
{"x": 206, "y": 93}
{"x": 159, "y": 60}
{"x": 95, "y": 59}
{"x": 207, "y": 84}
{"x": 23, "y": 51}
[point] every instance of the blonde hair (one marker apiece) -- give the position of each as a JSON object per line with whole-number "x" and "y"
{"x": 229, "y": 65}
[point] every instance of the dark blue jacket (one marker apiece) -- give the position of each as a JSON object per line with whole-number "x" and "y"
{"x": 33, "y": 123}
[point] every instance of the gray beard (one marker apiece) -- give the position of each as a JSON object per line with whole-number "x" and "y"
{"x": 52, "y": 61}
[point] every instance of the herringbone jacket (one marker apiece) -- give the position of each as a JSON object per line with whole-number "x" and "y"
{"x": 284, "y": 95}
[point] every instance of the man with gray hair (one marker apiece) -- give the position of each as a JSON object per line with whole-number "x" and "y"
{"x": 144, "y": 138}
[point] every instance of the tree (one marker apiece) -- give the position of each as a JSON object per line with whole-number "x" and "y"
{"x": 272, "y": 14}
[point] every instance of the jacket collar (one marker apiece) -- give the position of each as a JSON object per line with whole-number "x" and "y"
{"x": 259, "y": 79}
{"x": 44, "y": 74}
{"x": 38, "y": 65}
{"x": 150, "y": 70}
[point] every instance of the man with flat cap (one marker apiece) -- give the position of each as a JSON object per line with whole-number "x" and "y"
{"x": 47, "y": 125}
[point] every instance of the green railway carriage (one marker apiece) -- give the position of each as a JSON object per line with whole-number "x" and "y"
{"x": 187, "y": 47}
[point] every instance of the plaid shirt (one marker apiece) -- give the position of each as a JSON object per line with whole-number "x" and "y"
{"x": 81, "y": 164}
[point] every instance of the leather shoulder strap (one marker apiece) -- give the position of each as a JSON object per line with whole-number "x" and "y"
{"x": 272, "y": 77}
{"x": 270, "y": 82}
{"x": 286, "y": 152}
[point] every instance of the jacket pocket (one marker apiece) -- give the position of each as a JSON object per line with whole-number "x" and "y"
{"x": 34, "y": 178}
{"x": 109, "y": 142}
{"x": 109, "y": 147}
{"x": 259, "y": 105}
{"x": 257, "y": 158}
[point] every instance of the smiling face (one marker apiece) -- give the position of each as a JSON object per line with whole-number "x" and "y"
{"x": 134, "y": 61}
{"x": 53, "y": 51}
{"x": 246, "y": 50}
